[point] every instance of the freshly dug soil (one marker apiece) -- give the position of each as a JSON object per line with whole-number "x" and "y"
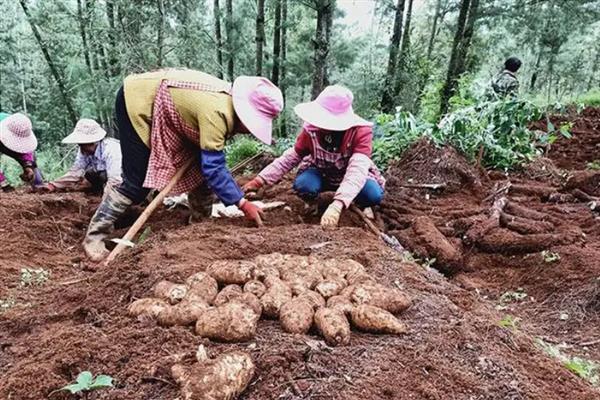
{"x": 77, "y": 319}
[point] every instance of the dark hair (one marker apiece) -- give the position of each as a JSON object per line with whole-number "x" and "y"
{"x": 512, "y": 64}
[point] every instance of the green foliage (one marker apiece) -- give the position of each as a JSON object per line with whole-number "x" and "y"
{"x": 594, "y": 165}
{"x": 52, "y": 161}
{"x": 511, "y": 297}
{"x": 34, "y": 276}
{"x": 509, "y": 322}
{"x": 586, "y": 369}
{"x": 241, "y": 148}
{"x": 86, "y": 382}
{"x": 591, "y": 98}
{"x": 394, "y": 134}
{"x": 499, "y": 128}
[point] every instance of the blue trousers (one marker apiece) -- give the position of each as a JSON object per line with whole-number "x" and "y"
{"x": 310, "y": 183}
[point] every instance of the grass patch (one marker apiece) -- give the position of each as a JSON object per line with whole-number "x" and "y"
{"x": 584, "y": 368}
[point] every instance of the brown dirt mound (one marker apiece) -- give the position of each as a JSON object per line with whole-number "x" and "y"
{"x": 424, "y": 163}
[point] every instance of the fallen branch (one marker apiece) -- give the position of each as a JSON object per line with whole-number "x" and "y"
{"x": 432, "y": 186}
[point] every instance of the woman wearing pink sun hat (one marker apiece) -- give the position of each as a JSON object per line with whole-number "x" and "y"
{"x": 18, "y": 141}
{"x": 169, "y": 116}
{"x": 333, "y": 151}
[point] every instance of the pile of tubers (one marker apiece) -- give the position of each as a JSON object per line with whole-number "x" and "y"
{"x": 300, "y": 291}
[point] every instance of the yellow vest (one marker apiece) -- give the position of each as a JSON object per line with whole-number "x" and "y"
{"x": 211, "y": 113}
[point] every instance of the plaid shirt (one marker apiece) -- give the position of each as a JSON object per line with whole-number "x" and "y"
{"x": 172, "y": 141}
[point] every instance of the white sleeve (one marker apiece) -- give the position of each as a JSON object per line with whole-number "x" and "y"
{"x": 113, "y": 159}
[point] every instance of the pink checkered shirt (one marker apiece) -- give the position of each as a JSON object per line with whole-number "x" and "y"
{"x": 173, "y": 141}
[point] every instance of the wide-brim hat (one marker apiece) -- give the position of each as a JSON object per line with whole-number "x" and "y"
{"x": 257, "y": 102}
{"x": 86, "y": 131}
{"x": 16, "y": 133}
{"x": 331, "y": 110}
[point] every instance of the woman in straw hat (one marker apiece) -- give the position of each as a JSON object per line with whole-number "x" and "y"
{"x": 98, "y": 161}
{"x": 334, "y": 153}
{"x": 18, "y": 142}
{"x": 167, "y": 117}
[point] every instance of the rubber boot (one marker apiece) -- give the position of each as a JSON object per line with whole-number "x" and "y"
{"x": 113, "y": 205}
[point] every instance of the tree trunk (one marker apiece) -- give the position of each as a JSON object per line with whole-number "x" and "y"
{"x": 276, "y": 43}
{"x": 160, "y": 36}
{"x": 82, "y": 20}
{"x": 590, "y": 83}
{"x": 218, "y": 38}
{"x": 436, "y": 17}
{"x": 457, "y": 49}
{"x": 387, "y": 99}
{"x": 229, "y": 29}
{"x": 405, "y": 47}
{"x": 53, "y": 68}
{"x": 282, "y": 77}
{"x": 536, "y": 70}
{"x": 115, "y": 63}
{"x": 260, "y": 35}
{"x": 325, "y": 10}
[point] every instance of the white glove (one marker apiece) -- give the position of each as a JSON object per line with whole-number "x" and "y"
{"x": 331, "y": 216}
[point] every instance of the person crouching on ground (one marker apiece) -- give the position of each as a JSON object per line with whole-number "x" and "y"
{"x": 167, "y": 117}
{"x": 506, "y": 83}
{"x": 98, "y": 160}
{"x": 18, "y": 141}
{"x": 333, "y": 152}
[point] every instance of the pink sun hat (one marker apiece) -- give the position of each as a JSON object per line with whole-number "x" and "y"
{"x": 331, "y": 110}
{"x": 257, "y": 102}
{"x": 16, "y": 133}
{"x": 86, "y": 131}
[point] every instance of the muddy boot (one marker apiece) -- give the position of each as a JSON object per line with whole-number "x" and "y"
{"x": 113, "y": 205}
{"x": 200, "y": 201}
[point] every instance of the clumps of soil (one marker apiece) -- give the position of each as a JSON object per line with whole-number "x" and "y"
{"x": 544, "y": 169}
{"x": 300, "y": 291}
{"x": 425, "y": 163}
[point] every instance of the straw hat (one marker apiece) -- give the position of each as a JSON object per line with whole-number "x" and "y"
{"x": 257, "y": 102}
{"x": 16, "y": 133}
{"x": 86, "y": 131}
{"x": 331, "y": 110}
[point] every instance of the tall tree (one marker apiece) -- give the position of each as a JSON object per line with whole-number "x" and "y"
{"x": 594, "y": 71}
{"x": 282, "y": 77}
{"x": 229, "y": 29}
{"x": 218, "y": 38}
{"x": 387, "y": 99}
{"x": 460, "y": 46}
{"x": 260, "y": 35}
{"x": 276, "y": 43}
{"x": 436, "y": 17}
{"x": 53, "y": 67}
{"x": 325, "y": 9}
{"x": 160, "y": 36}
{"x": 404, "y": 51}
{"x": 114, "y": 61}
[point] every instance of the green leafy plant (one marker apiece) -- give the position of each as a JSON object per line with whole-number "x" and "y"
{"x": 86, "y": 382}
{"x": 509, "y": 322}
{"x": 594, "y": 165}
{"x": 586, "y": 369}
{"x": 34, "y": 277}
{"x": 550, "y": 256}
{"x": 511, "y": 297}
{"x": 144, "y": 236}
{"x": 242, "y": 148}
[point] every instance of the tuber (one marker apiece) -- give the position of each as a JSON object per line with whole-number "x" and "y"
{"x": 183, "y": 313}
{"x": 313, "y": 298}
{"x": 380, "y": 296}
{"x": 377, "y": 320}
{"x": 276, "y": 295}
{"x": 333, "y": 326}
{"x": 170, "y": 291}
{"x": 330, "y": 288}
{"x": 231, "y": 271}
{"x": 228, "y": 293}
{"x": 222, "y": 378}
{"x": 340, "y": 303}
{"x": 230, "y": 322}
{"x": 250, "y": 300}
{"x": 148, "y": 306}
{"x": 296, "y": 316}
{"x": 255, "y": 287}
{"x": 201, "y": 286}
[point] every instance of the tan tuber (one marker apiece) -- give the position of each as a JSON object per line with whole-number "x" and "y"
{"x": 333, "y": 326}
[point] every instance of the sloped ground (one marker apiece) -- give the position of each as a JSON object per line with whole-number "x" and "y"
{"x": 455, "y": 347}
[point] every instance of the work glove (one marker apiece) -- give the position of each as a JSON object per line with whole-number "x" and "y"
{"x": 27, "y": 175}
{"x": 331, "y": 216}
{"x": 251, "y": 211}
{"x": 254, "y": 185}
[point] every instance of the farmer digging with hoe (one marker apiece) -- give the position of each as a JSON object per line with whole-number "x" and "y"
{"x": 98, "y": 161}
{"x": 333, "y": 152}
{"x": 167, "y": 117}
{"x": 18, "y": 142}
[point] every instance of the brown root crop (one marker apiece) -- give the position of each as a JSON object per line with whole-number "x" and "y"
{"x": 376, "y": 320}
{"x": 333, "y": 326}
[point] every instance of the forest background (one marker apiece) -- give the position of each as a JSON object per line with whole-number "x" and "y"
{"x": 408, "y": 62}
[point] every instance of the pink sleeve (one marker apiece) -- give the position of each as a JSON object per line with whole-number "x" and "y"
{"x": 27, "y": 158}
{"x": 354, "y": 179}
{"x": 273, "y": 172}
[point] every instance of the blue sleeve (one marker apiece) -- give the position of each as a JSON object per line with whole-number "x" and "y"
{"x": 214, "y": 170}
